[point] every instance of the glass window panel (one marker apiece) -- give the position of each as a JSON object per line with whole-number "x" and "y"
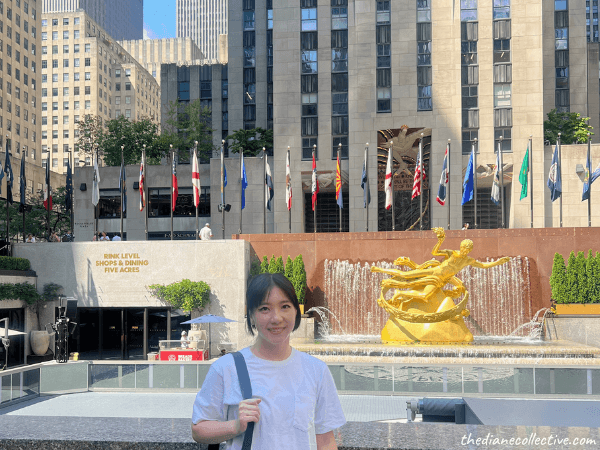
{"x": 562, "y": 44}
{"x": 424, "y": 16}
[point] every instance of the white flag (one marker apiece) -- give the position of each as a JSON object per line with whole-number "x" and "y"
{"x": 96, "y": 184}
{"x": 388, "y": 181}
{"x": 288, "y": 182}
{"x": 496, "y": 182}
{"x": 196, "y": 179}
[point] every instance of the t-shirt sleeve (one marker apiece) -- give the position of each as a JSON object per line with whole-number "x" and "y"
{"x": 328, "y": 414}
{"x": 209, "y": 401}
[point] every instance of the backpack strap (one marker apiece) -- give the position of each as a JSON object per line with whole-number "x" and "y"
{"x": 246, "y": 387}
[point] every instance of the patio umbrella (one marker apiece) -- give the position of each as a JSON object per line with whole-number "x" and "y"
{"x": 208, "y": 318}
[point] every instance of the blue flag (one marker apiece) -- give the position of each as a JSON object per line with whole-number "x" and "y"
{"x": 468, "y": 182}
{"x": 554, "y": 177}
{"x": 586, "y": 180}
{"x": 22, "y": 181}
{"x": 69, "y": 187}
{"x": 9, "y": 176}
{"x": 244, "y": 180}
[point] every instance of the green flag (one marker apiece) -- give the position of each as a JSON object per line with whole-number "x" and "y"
{"x": 524, "y": 175}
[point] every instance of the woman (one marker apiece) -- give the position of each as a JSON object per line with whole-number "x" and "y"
{"x": 295, "y": 404}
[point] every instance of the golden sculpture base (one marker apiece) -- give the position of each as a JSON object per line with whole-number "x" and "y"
{"x": 449, "y": 331}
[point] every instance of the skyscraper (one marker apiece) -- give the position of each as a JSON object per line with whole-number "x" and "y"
{"x": 121, "y": 19}
{"x": 204, "y": 21}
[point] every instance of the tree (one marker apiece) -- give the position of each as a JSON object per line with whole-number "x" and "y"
{"x": 558, "y": 279}
{"x": 132, "y": 135}
{"x": 582, "y": 285}
{"x": 571, "y": 279}
{"x": 572, "y": 126}
{"x": 299, "y": 279}
{"x": 264, "y": 265}
{"x": 289, "y": 268}
{"x": 91, "y": 135}
{"x": 185, "y": 294}
{"x": 251, "y": 142}
{"x": 187, "y": 123}
{"x": 591, "y": 273}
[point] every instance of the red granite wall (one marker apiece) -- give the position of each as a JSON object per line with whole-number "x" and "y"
{"x": 538, "y": 244}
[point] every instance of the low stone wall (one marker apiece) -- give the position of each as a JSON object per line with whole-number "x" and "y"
{"x": 584, "y": 330}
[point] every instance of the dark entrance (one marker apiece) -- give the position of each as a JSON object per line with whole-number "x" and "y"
{"x": 16, "y": 350}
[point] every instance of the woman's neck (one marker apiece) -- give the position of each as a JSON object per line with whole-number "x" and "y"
{"x": 264, "y": 350}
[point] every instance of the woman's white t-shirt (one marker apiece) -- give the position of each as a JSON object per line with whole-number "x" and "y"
{"x": 298, "y": 400}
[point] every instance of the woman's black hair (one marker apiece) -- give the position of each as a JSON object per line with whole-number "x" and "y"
{"x": 259, "y": 289}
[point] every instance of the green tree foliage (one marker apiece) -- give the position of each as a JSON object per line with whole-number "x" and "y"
{"x": 254, "y": 267}
{"x": 582, "y": 284}
{"x": 132, "y": 135}
{"x": 264, "y": 265}
{"x": 19, "y": 291}
{"x": 571, "y": 279}
{"x": 187, "y": 123}
{"x": 185, "y": 294}
{"x": 251, "y": 142}
{"x": 36, "y": 219}
{"x": 592, "y": 281}
{"x": 12, "y": 263}
{"x": 289, "y": 268}
{"x": 279, "y": 266}
{"x": 558, "y": 279}
{"x": 299, "y": 279}
{"x": 572, "y": 126}
{"x": 91, "y": 135}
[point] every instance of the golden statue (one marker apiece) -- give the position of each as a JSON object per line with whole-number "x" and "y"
{"x": 422, "y": 310}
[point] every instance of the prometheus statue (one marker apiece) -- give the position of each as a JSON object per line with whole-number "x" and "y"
{"x": 422, "y": 308}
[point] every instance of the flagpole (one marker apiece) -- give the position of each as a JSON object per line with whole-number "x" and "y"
{"x": 172, "y": 161}
{"x": 71, "y": 161}
{"x": 194, "y": 194}
{"x": 421, "y": 183}
{"x": 589, "y": 183}
{"x": 392, "y": 183}
{"x": 241, "y": 188}
{"x": 560, "y": 167}
{"x": 448, "y": 186}
{"x": 340, "y": 162}
{"x": 222, "y": 189}
{"x": 531, "y": 176}
{"x": 314, "y": 154}
{"x": 290, "y": 181}
{"x": 24, "y": 188}
{"x": 145, "y": 192}
{"x": 501, "y": 172}
{"x": 367, "y": 187}
{"x": 96, "y": 205}
{"x": 475, "y": 181}
{"x": 122, "y": 190}
{"x": 7, "y": 215}
{"x": 48, "y": 201}
{"x": 265, "y": 191}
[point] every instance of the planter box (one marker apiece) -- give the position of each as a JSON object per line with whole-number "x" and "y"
{"x": 584, "y": 309}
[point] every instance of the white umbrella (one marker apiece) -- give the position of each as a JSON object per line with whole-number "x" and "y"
{"x": 208, "y": 318}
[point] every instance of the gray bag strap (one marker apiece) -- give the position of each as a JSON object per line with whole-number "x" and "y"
{"x": 246, "y": 387}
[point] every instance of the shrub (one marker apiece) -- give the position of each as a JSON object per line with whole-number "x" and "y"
{"x": 299, "y": 279}
{"x": 264, "y": 265}
{"x": 10, "y": 263}
{"x": 185, "y": 294}
{"x": 581, "y": 292}
{"x": 558, "y": 279}
{"x": 289, "y": 268}
{"x": 571, "y": 279}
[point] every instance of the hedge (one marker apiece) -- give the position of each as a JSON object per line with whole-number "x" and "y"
{"x": 10, "y": 263}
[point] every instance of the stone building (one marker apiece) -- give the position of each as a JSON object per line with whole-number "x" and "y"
{"x": 121, "y": 19}
{"x": 84, "y": 71}
{"x": 151, "y": 53}
{"x": 206, "y": 22}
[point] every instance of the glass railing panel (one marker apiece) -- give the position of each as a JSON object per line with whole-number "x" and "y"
{"x": 336, "y": 370}
{"x": 453, "y": 379}
{"x": 542, "y": 381}
{"x": 471, "y": 377}
{"x": 202, "y": 372}
{"x": 64, "y": 377}
{"x": 16, "y": 385}
{"x": 166, "y": 376}
{"x": 498, "y": 380}
{"x": 127, "y": 376}
{"x": 570, "y": 381}
{"x": 142, "y": 376}
{"x": 418, "y": 379}
{"x": 6, "y": 393}
{"x": 360, "y": 378}
{"x": 523, "y": 379}
{"x": 31, "y": 382}
{"x": 595, "y": 381}
{"x": 104, "y": 376}
{"x": 190, "y": 376}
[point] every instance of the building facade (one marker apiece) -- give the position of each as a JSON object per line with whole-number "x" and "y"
{"x": 151, "y": 53}
{"x": 85, "y": 72}
{"x": 204, "y": 21}
{"x": 121, "y": 19}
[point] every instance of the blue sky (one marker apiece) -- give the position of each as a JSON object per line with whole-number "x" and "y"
{"x": 159, "y": 19}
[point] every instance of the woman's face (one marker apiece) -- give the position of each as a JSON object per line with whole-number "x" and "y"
{"x": 275, "y": 318}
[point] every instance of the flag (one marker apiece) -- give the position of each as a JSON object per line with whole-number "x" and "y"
{"x": 47, "y": 192}
{"x": 96, "y": 186}
{"x": 444, "y": 180}
{"x": 175, "y": 192}
{"x": 288, "y": 183}
{"x": 418, "y": 169}
{"x": 388, "y": 181}
{"x": 244, "y": 180}
{"x": 1, "y": 169}
{"x": 69, "y": 187}
{"x": 338, "y": 184}
{"x": 496, "y": 182}
{"x": 225, "y": 175}
{"x": 142, "y": 180}
{"x": 595, "y": 175}
{"x": 554, "y": 177}
{"x": 9, "y": 176}
{"x": 123, "y": 185}
{"x": 269, "y": 182}
{"x": 22, "y": 180}
{"x": 468, "y": 182}
{"x": 196, "y": 179}
{"x": 524, "y": 175}
{"x": 586, "y": 180}
{"x": 315, "y": 183}
{"x": 364, "y": 183}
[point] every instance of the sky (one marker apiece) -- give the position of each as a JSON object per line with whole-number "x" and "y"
{"x": 159, "y": 19}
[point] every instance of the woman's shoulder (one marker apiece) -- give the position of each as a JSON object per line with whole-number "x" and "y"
{"x": 311, "y": 361}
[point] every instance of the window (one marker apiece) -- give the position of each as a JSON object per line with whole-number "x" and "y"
{"x": 65, "y": 63}
{"x": 309, "y": 19}
{"x": 76, "y": 105}
{"x": 54, "y": 134}
{"x": 159, "y": 202}
{"x": 54, "y": 22}
{"x": 44, "y": 35}
{"x": 76, "y": 76}
{"x": 248, "y": 20}
{"x": 55, "y": 49}
{"x": 87, "y": 90}
{"x": 117, "y": 100}
{"x": 76, "y": 62}
{"x": 127, "y": 72}
{"x": 44, "y": 50}
{"x": 117, "y": 86}
{"x": 54, "y": 92}
{"x": 76, "y": 90}
{"x": 117, "y": 73}
{"x": 65, "y": 106}
{"x": 65, "y": 49}
{"x": 128, "y": 113}
{"x": 88, "y": 76}
{"x": 65, "y": 120}
{"x": 65, "y": 77}
{"x": 55, "y": 35}
{"x": 128, "y": 100}
{"x": 501, "y": 50}
{"x": 88, "y": 48}
{"x": 468, "y": 10}
{"x": 65, "y": 35}
{"x": 502, "y": 94}
{"x": 127, "y": 86}
{"x": 88, "y": 104}
{"x": 65, "y": 21}
{"x": 87, "y": 62}
{"x": 76, "y": 48}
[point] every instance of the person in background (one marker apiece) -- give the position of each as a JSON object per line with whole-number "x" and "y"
{"x": 104, "y": 237}
{"x": 295, "y": 405}
{"x": 206, "y": 233}
{"x": 465, "y": 226}
{"x": 116, "y": 237}
{"x": 54, "y": 237}
{"x": 30, "y": 238}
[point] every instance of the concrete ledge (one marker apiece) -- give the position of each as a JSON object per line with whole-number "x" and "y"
{"x": 584, "y": 330}
{"x": 76, "y": 433}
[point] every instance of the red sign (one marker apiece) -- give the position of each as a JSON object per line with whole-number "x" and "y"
{"x": 183, "y": 355}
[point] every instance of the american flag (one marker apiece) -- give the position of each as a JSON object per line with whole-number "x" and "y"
{"x": 418, "y": 168}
